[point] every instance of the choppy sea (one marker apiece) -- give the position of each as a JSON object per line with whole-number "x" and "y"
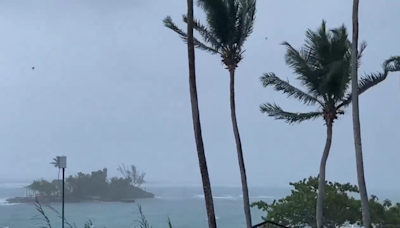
{"x": 184, "y": 205}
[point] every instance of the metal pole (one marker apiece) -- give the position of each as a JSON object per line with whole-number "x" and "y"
{"x": 63, "y": 176}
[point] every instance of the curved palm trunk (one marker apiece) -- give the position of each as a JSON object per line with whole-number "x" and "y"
{"x": 245, "y": 190}
{"x": 196, "y": 120}
{"x": 322, "y": 171}
{"x": 356, "y": 122}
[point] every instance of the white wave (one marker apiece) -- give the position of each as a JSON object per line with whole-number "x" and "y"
{"x": 157, "y": 197}
{"x": 262, "y": 197}
{"x": 229, "y": 197}
{"x": 223, "y": 197}
{"x": 216, "y": 217}
{"x": 3, "y": 202}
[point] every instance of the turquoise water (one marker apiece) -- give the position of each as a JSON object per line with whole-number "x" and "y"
{"x": 183, "y": 205}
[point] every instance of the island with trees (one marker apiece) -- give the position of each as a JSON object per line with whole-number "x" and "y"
{"x": 92, "y": 187}
{"x": 341, "y": 209}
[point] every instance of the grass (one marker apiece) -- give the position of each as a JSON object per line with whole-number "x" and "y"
{"x": 43, "y": 220}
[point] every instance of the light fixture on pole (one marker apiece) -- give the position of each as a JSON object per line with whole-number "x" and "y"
{"x": 63, "y": 166}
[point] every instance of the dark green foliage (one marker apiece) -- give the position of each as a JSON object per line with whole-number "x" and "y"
{"x": 298, "y": 209}
{"x": 44, "y": 188}
{"x": 385, "y": 214}
{"x": 229, "y": 24}
{"x": 322, "y": 67}
{"x": 96, "y": 185}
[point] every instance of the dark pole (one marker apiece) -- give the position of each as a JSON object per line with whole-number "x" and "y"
{"x": 63, "y": 176}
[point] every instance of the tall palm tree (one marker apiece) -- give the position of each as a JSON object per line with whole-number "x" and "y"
{"x": 323, "y": 67}
{"x": 196, "y": 118}
{"x": 229, "y": 24}
{"x": 356, "y": 122}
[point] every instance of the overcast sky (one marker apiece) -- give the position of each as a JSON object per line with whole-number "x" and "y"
{"x": 110, "y": 86}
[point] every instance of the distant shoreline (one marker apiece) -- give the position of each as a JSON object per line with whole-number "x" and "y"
{"x": 47, "y": 200}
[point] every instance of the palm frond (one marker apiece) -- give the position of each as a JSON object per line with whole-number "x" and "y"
{"x": 392, "y": 64}
{"x": 270, "y": 79}
{"x": 370, "y": 80}
{"x": 363, "y": 46}
{"x": 245, "y": 20}
{"x": 55, "y": 162}
{"x": 275, "y": 111}
{"x": 171, "y": 25}
{"x": 218, "y": 18}
{"x": 317, "y": 43}
{"x": 230, "y": 22}
{"x": 301, "y": 61}
{"x": 207, "y": 36}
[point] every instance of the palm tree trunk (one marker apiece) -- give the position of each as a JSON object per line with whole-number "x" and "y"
{"x": 322, "y": 171}
{"x": 245, "y": 190}
{"x": 58, "y": 182}
{"x": 196, "y": 121}
{"x": 356, "y": 121}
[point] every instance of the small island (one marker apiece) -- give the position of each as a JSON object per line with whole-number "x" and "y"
{"x": 94, "y": 187}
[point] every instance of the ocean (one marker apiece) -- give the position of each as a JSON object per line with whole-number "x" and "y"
{"x": 184, "y": 205}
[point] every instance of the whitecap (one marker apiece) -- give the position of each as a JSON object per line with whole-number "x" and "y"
{"x": 263, "y": 197}
{"x": 3, "y": 202}
{"x": 216, "y": 217}
{"x": 223, "y": 197}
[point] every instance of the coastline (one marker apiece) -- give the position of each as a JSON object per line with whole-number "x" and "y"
{"x": 47, "y": 200}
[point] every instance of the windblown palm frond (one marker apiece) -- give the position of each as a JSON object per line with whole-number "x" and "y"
{"x": 323, "y": 66}
{"x": 370, "y": 80}
{"x": 171, "y": 25}
{"x": 55, "y": 162}
{"x": 205, "y": 34}
{"x": 302, "y": 64}
{"x": 392, "y": 64}
{"x": 270, "y": 79}
{"x": 275, "y": 111}
{"x": 229, "y": 24}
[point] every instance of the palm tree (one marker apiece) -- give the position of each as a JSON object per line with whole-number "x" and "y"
{"x": 356, "y": 122}
{"x": 196, "y": 118}
{"x": 56, "y": 164}
{"x": 229, "y": 24}
{"x": 323, "y": 67}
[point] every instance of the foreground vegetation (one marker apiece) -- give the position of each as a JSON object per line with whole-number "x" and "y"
{"x": 340, "y": 207}
{"x": 86, "y": 187}
{"x": 44, "y": 221}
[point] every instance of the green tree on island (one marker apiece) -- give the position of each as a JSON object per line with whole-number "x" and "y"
{"x": 93, "y": 186}
{"x": 229, "y": 24}
{"x": 298, "y": 210}
{"x": 323, "y": 67}
{"x": 131, "y": 173}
